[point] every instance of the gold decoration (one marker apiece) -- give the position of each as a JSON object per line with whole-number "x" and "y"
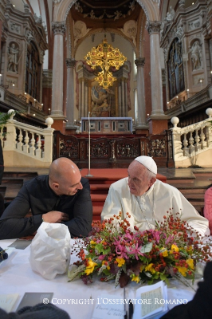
{"x": 105, "y": 56}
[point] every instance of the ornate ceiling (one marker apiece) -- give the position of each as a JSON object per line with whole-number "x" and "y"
{"x": 105, "y": 13}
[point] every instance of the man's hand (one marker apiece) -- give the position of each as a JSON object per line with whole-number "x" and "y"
{"x": 55, "y": 216}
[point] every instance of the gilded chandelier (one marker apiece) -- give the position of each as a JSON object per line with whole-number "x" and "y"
{"x": 105, "y": 56}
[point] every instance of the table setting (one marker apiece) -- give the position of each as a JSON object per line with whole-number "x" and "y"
{"x": 21, "y": 278}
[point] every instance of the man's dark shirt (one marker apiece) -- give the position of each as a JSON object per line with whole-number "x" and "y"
{"x": 40, "y": 198}
{"x": 201, "y": 305}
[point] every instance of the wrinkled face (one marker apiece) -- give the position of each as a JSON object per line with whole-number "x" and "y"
{"x": 69, "y": 184}
{"x": 138, "y": 179}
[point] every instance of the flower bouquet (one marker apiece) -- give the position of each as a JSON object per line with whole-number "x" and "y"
{"x": 115, "y": 252}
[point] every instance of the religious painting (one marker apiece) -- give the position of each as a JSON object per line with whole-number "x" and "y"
{"x": 103, "y": 102}
{"x": 175, "y": 69}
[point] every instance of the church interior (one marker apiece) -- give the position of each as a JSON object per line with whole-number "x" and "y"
{"x": 102, "y": 82}
{"x": 106, "y": 84}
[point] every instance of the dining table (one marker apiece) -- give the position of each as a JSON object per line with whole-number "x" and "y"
{"x": 76, "y": 298}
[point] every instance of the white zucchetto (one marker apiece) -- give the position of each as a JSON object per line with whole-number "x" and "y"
{"x": 148, "y": 162}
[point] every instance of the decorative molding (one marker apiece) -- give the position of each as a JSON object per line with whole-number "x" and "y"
{"x": 140, "y": 62}
{"x": 70, "y": 63}
{"x": 29, "y": 35}
{"x": 16, "y": 28}
{"x": 69, "y": 8}
{"x": 194, "y": 24}
{"x": 180, "y": 32}
{"x": 130, "y": 30}
{"x": 181, "y": 3}
{"x": 58, "y": 28}
{"x": 153, "y": 27}
{"x": 79, "y": 30}
{"x": 144, "y": 8}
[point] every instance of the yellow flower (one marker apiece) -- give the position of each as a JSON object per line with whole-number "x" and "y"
{"x": 120, "y": 261}
{"x": 135, "y": 278}
{"x": 90, "y": 268}
{"x": 164, "y": 252}
{"x": 182, "y": 270}
{"x": 92, "y": 243}
{"x": 189, "y": 248}
{"x": 174, "y": 248}
{"x": 190, "y": 262}
{"x": 106, "y": 263}
{"x": 142, "y": 268}
{"x": 150, "y": 268}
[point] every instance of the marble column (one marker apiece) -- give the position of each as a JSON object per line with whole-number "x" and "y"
{"x": 120, "y": 101}
{"x": 122, "y": 98}
{"x": 126, "y": 101}
{"x": 86, "y": 99}
{"x": 70, "y": 63}
{"x": 156, "y": 73}
{"x": 80, "y": 99}
{"x": 57, "y": 85}
{"x": 141, "y": 120}
{"x": 83, "y": 97}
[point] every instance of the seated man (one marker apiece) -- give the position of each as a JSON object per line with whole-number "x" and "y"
{"x": 200, "y": 306}
{"x": 147, "y": 199}
{"x": 60, "y": 197}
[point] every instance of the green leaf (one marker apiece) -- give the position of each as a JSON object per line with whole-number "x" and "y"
{"x": 147, "y": 248}
{"x": 75, "y": 271}
{"x": 4, "y": 117}
{"x": 100, "y": 249}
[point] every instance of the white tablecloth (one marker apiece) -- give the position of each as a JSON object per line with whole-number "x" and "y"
{"x": 16, "y": 276}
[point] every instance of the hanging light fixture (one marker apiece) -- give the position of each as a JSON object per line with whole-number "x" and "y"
{"x": 105, "y": 56}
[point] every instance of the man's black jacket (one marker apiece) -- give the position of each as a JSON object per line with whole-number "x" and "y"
{"x": 39, "y": 197}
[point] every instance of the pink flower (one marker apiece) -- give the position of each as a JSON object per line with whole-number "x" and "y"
{"x": 101, "y": 257}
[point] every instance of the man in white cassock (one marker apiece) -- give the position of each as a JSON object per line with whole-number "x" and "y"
{"x": 147, "y": 199}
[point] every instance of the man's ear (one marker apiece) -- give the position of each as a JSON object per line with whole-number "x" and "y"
{"x": 152, "y": 181}
{"x": 55, "y": 185}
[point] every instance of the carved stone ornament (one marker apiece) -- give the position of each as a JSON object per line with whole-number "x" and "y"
{"x": 182, "y": 3}
{"x": 15, "y": 27}
{"x": 156, "y": 1}
{"x": 153, "y": 26}
{"x": 179, "y": 32}
{"x": 58, "y": 27}
{"x": 195, "y": 52}
{"x": 130, "y": 30}
{"x": 70, "y": 63}
{"x": 13, "y": 57}
{"x": 140, "y": 62}
{"x": 29, "y": 35}
{"x": 26, "y": 8}
{"x": 80, "y": 30}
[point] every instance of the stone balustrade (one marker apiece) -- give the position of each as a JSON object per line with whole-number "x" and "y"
{"x": 192, "y": 145}
{"x": 26, "y": 145}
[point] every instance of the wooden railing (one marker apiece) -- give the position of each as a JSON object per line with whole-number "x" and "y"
{"x": 113, "y": 151}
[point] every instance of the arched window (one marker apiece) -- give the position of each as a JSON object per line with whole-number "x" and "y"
{"x": 175, "y": 69}
{"x": 33, "y": 69}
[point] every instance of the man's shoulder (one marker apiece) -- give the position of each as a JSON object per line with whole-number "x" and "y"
{"x": 120, "y": 184}
{"x": 39, "y": 180}
{"x": 84, "y": 180}
{"x": 160, "y": 186}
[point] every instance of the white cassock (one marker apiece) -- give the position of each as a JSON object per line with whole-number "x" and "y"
{"x": 151, "y": 206}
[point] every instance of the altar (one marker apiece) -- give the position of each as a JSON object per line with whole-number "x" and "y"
{"x": 107, "y": 125}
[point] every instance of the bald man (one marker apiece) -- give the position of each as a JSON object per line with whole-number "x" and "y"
{"x": 148, "y": 199}
{"x": 63, "y": 196}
